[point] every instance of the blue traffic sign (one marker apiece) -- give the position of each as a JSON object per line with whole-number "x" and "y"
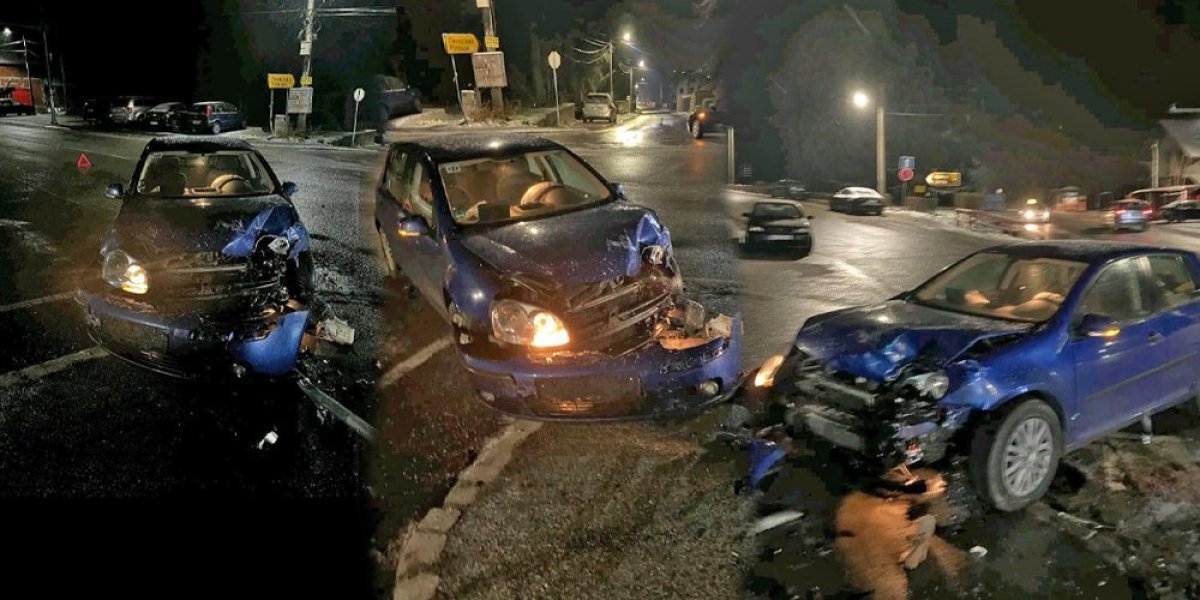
{"x": 908, "y": 162}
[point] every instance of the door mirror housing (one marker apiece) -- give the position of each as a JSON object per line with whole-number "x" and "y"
{"x": 618, "y": 190}
{"x": 115, "y": 191}
{"x": 1100, "y": 326}
{"x": 288, "y": 188}
{"x": 414, "y": 226}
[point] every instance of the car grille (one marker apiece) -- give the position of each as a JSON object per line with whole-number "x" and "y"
{"x": 616, "y": 315}
{"x": 219, "y": 280}
{"x": 596, "y": 396}
{"x": 129, "y": 335}
{"x": 784, "y": 231}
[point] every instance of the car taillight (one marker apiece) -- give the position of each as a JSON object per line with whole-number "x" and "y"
{"x": 1120, "y": 211}
{"x": 1148, "y": 212}
{"x": 208, "y": 111}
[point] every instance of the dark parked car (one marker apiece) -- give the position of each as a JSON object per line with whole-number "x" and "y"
{"x": 1009, "y": 358}
{"x": 778, "y": 226}
{"x": 564, "y": 297}
{"x": 857, "y": 201}
{"x": 8, "y": 106}
{"x": 788, "y": 188}
{"x": 209, "y": 117}
{"x": 130, "y": 110}
{"x": 1128, "y": 215}
{"x": 162, "y": 116}
{"x": 96, "y": 110}
{"x": 1181, "y": 210}
{"x": 206, "y": 271}
{"x": 703, "y": 120}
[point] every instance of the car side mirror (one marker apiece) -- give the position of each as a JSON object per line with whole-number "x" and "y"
{"x": 115, "y": 191}
{"x": 1101, "y": 326}
{"x": 288, "y": 188}
{"x": 746, "y": 214}
{"x": 414, "y": 226}
{"x": 618, "y": 190}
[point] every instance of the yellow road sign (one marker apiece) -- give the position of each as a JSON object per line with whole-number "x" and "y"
{"x": 460, "y": 43}
{"x": 277, "y": 81}
{"x": 944, "y": 179}
{"x": 305, "y": 80}
{"x": 491, "y": 41}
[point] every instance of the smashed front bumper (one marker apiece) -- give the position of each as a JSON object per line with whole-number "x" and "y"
{"x": 651, "y": 382}
{"x": 191, "y": 346}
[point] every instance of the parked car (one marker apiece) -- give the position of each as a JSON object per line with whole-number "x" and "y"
{"x": 788, "y": 188}
{"x": 386, "y": 98}
{"x": 857, "y": 201}
{"x": 8, "y": 106}
{"x": 564, "y": 297}
{"x": 1035, "y": 212}
{"x": 1128, "y": 215}
{"x": 211, "y": 117}
{"x": 599, "y": 106}
{"x": 96, "y": 110}
{"x": 1181, "y": 210}
{"x": 703, "y": 119}
{"x": 130, "y": 110}
{"x": 161, "y": 116}
{"x": 778, "y": 226}
{"x": 1008, "y": 358}
{"x": 206, "y": 271}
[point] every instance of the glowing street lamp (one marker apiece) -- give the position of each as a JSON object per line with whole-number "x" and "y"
{"x": 861, "y": 100}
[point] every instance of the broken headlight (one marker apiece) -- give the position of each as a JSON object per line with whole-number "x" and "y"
{"x": 766, "y": 373}
{"x": 935, "y": 385}
{"x": 519, "y": 323}
{"x": 121, "y": 271}
{"x": 655, "y": 255}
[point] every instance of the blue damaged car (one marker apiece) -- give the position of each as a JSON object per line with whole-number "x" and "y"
{"x": 206, "y": 271}
{"x": 1006, "y": 359}
{"x": 564, "y": 298}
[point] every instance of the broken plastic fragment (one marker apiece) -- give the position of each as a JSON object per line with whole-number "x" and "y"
{"x": 719, "y": 326}
{"x": 267, "y": 440}
{"x": 336, "y": 330}
{"x": 919, "y": 542}
{"x": 775, "y": 520}
{"x": 978, "y": 551}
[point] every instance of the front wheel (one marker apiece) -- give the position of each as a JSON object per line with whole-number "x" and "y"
{"x": 1014, "y": 458}
{"x": 216, "y": 128}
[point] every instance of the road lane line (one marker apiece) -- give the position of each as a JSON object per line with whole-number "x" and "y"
{"x": 36, "y": 301}
{"x": 38, "y": 371}
{"x": 338, "y": 410}
{"x": 417, "y": 359}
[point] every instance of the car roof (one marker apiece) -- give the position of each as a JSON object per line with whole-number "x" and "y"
{"x": 1089, "y": 251}
{"x": 449, "y": 148}
{"x": 195, "y": 143}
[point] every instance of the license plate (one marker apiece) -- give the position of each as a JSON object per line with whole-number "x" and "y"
{"x": 196, "y": 122}
{"x": 154, "y": 122}
{"x": 779, "y": 238}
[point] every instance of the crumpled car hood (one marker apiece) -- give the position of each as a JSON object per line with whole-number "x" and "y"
{"x": 585, "y": 246}
{"x": 148, "y": 228}
{"x": 875, "y": 342}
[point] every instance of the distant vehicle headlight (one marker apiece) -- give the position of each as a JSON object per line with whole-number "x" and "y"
{"x": 122, "y": 271}
{"x": 935, "y": 385}
{"x": 755, "y": 229}
{"x": 519, "y": 323}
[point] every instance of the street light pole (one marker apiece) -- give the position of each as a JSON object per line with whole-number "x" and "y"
{"x": 28, "y": 75}
{"x": 46, "y": 55}
{"x": 310, "y": 15}
{"x": 880, "y": 175}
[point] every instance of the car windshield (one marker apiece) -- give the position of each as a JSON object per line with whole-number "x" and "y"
{"x": 997, "y": 285}
{"x": 597, "y": 98}
{"x": 1130, "y": 205}
{"x": 183, "y": 174}
{"x": 775, "y": 211}
{"x": 513, "y": 188}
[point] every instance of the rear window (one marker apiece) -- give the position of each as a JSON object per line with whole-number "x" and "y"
{"x": 1136, "y": 205}
{"x": 597, "y": 98}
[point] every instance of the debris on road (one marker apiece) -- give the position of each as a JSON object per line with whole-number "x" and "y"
{"x": 336, "y": 330}
{"x": 978, "y": 552}
{"x": 918, "y": 548}
{"x": 326, "y": 402}
{"x": 776, "y": 520}
{"x": 267, "y": 441}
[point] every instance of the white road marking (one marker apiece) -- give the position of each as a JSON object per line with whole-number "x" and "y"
{"x": 417, "y": 359}
{"x": 36, "y": 301}
{"x": 38, "y": 371}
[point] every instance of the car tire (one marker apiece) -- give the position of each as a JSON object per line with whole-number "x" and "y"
{"x": 1006, "y": 443}
{"x": 696, "y": 130}
{"x": 385, "y": 252}
{"x": 215, "y": 128}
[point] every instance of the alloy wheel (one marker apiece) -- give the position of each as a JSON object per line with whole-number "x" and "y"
{"x": 1027, "y": 455}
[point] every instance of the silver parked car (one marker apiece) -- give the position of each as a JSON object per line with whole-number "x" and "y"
{"x": 857, "y": 200}
{"x": 599, "y": 106}
{"x": 1128, "y": 214}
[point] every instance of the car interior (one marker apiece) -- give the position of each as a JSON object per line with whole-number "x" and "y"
{"x": 490, "y": 190}
{"x": 183, "y": 174}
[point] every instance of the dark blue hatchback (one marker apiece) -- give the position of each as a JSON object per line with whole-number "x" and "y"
{"x": 1010, "y": 357}
{"x": 565, "y": 299}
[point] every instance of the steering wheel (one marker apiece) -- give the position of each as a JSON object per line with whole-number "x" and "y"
{"x": 533, "y": 196}
{"x": 228, "y": 178}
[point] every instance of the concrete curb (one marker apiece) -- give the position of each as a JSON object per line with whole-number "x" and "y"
{"x": 423, "y": 543}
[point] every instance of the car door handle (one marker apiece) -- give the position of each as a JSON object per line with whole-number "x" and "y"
{"x": 1154, "y": 338}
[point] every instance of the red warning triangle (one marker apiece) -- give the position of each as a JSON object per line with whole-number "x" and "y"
{"x": 83, "y": 162}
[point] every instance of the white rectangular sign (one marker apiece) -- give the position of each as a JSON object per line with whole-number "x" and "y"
{"x": 299, "y": 101}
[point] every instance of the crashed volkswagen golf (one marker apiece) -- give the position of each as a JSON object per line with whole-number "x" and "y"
{"x": 1008, "y": 359}
{"x": 565, "y": 298}
{"x": 206, "y": 270}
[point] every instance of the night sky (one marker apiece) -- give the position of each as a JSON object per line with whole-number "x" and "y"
{"x": 1125, "y": 63}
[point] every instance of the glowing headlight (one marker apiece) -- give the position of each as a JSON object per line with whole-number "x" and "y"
{"x": 519, "y": 323}
{"x": 121, "y": 271}
{"x": 766, "y": 374}
{"x": 755, "y": 229}
{"x": 1029, "y": 214}
{"x": 934, "y": 385}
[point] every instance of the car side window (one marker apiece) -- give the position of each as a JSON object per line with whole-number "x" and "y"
{"x": 420, "y": 194}
{"x": 1171, "y": 281}
{"x": 394, "y": 182}
{"x": 1116, "y": 293}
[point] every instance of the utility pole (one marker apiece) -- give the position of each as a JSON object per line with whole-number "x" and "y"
{"x": 46, "y": 55}
{"x": 611, "y": 52}
{"x": 489, "y": 28}
{"x": 28, "y": 75}
{"x": 880, "y": 172}
{"x": 310, "y": 16}
{"x": 631, "y": 70}
{"x": 1154, "y": 164}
